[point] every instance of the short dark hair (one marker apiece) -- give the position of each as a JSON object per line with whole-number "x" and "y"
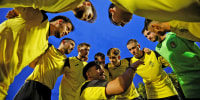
{"x": 64, "y": 18}
{"x": 110, "y": 14}
{"x": 66, "y": 40}
{"x": 99, "y": 54}
{"x": 143, "y": 30}
{"x": 88, "y": 66}
{"x": 131, "y": 41}
{"x": 83, "y": 44}
{"x": 147, "y": 22}
{"x": 113, "y": 51}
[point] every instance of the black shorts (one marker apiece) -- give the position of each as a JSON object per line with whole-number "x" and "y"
{"x": 32, "y": 90}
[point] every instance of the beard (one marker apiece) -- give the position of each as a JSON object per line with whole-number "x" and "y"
{"x": 57, "y": 34}
{"x": 161, "y": 33}
{"x": 66, "y": 52}
{"x": 156, "y": 39}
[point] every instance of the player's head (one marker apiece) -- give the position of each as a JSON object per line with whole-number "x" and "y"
{"x": 93, "y": 71}
{"x": 67, "y": 45}
{"x": 61, "y": 26}
{"x": 114, "y": 56}
{"x": 118, "y": 16}
{"x": 85, "y": 11}
{"x": 100, "y": 57}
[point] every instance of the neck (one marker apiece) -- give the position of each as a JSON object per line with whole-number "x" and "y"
{"x": 162, "y": 38}
{"x": 51, "y": 29}
{"x": 61, "y": 50}
{"x": 141, "y": 55}
{"x": 80, "y": 57}
{"x": 166, "y": 26}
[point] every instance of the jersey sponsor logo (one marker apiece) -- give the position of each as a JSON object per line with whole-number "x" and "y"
{"x": 173, "y": 44}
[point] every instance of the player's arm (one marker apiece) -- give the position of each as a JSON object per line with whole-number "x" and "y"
{"x": 121, "y": 83}
{"x": 162, "y": 60}
{"x": 34, "y": 63}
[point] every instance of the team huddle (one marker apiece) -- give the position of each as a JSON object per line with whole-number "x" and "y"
{"x": 24, "y": 41}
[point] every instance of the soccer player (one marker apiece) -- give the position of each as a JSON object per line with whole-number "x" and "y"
{"x": 47, "y": 68}
{"x": 117, "y": 67}
{"x": 82, "y": 9}
{"x": 184, "y": 58}
{"x": 23, "y": 39}
{"x": 157, "y": 82}
{"x": 185, "y": 30}
{"x": 100, "y": 58}
{"x": 96, "y": 88}
{"x": 121, "y": 11}
{"x": 73, "y": 76}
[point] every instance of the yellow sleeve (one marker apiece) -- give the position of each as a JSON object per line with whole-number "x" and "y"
{"x": 163, "y": 61}
{"x": 162, "y": 10}
{"x": 46, "y": 5}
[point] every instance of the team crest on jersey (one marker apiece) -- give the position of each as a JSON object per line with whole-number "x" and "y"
{"x": 173, "y": 44}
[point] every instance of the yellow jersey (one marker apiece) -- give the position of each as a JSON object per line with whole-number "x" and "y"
{"x": 92, "y": 90}
{"x": 49, "y": 67}
{"x": 72, "y": 79}
{"x": 157, "y": 82}
{"x": 162, "y": 10}
{"x": 187, "y": 30}
{"x": 46, "y": 5}
{"x": 22, "y": 39}
{"x": 116, "y": 71}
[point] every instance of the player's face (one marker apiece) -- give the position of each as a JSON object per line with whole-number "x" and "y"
{"x": 97, "y": 73}
{"x": 63, "y": 29}
{"x": 134, "y": 49}
{"x": 101, "y": 61}
{"x": 84, "y": 11}
{"x": 84, "y": 51}
{"x": 69, "y": 46}
{"x": 120, "y": 17}
{"x": 150, "y": 36}
{"x": 114, "y": 60}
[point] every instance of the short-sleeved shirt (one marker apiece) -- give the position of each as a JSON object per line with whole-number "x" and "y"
{"x": 162, "y": 10}
{"x": 157, "y": 83}
{"x": 72, "y": 79}
{"x": 92, "y": 90}
{"x": 46, "y": 5}
{"x": 49, "y": 67}
{"x": 22, "y": 39}
{"x": 187, "y": 30}
{"x": 116, "y": 71}
{"x": 184, "y": 57}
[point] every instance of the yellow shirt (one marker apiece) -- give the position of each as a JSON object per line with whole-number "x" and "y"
{"x": 187, "y": 30}
{"x": 162, "y": 10}
{"x": 157, "y": 83}
{"x": 49, "y": 67}
{"x": 46, "y": 5}
{"x": 92, "y": 90}
{"x": 72, "y": 79}
{"x": 22, "y": 39}
{"x": 114, "y": 71}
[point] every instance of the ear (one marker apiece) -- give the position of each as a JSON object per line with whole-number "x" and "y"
{"x": 60, "y": 21}
{"x": 86, "y": 3}
{"x": 119, "y": 57}
{"x": 88, "y": 74}
{"x": 112, "y": 10}
{"x": 139, "y": 45}
{"x": 63, "y": 42}
{"x": 79, "y": 50}
{"x": 156, "y": 26}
